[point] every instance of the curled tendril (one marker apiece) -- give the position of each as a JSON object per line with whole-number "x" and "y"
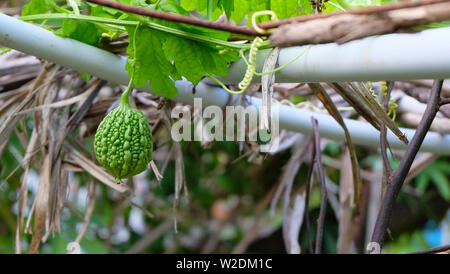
{"x": 383, "y": 88}
{"x": 392, "y": 109}
{"x": 392, "y": 106}
{"x": 273, "y": 17}
{"x": 251, "y": 62}
{"x": 251, "y": 67}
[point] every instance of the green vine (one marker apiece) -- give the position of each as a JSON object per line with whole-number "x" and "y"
{"x": 152, "y": 25}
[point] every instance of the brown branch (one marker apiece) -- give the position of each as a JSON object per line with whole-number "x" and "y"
{"x": 397, "y": 178}
{"x": 368, "y": 10}
{"x": 433, "y": 250}
{"x": 444, "y": 101}
{"x": 175, "y": 17}
{"x": 307, "y": 192}
{"x": 323, "y": 203}
{"x": 348, "y": 27}
{"x": 420, "y": 94}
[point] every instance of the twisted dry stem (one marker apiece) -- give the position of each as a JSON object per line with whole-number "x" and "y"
{"x": 323, "y": 203}
{"x": 397, "y": 178}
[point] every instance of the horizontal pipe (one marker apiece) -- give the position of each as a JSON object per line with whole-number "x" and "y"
{"x": 298, "y": 120}
{"x": 422, "y": 55}
{"x": 37, "y": 41}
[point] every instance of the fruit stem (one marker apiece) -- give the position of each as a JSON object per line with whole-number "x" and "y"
{"x": 124, "y": 97}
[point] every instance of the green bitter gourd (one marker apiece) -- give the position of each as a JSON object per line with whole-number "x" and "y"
{"x": 123, "y": 142}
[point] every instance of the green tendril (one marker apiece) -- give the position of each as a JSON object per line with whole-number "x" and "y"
{"x": 251, "y": 61}
{"x": 285, "y": 65}
{"x": 392, "y": 105}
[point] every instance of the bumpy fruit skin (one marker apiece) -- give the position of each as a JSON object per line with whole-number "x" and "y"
{"x": 123, "y": 142}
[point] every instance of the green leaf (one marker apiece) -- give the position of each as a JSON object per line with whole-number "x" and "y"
{"x": 227, "y": 6}
{"x": 241, "y": 8}
{"x": 85, "y": 32}
{"x": 4, "y": 50}
{"x": 194, "y": 60}
{"x": 422, "y": 181}
{"x": 100, "y": 11}
{"x": 86, "y": 77}
{"x": 244, "y": 7}
{"x": 443, "y": 166}
{"x": 441, "y": 182}
{"x": 37, "y": 7}
{"x": 284, "y": 8}
{"x": 305, "y": 7}
{"x": 173, "y": 7}
{"x": 199, "y": 5}
{"x": 137, "y": 3}
{"x": 151, "y": 65}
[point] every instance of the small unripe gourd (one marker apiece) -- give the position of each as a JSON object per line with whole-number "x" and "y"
{"x": 123, "y": 142}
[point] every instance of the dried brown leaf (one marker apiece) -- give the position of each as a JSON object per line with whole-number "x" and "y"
{"x": 346, "y": 194}
{"x": 332, "y": 109}
{"x": 41, "y": 207}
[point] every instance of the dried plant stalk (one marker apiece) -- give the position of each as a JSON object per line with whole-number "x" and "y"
{"x": 346, "y": 27}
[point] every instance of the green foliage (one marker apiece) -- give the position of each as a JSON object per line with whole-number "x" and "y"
{"x": 161, "y": 57}
{"x": 305, "y": 7}
{"x": 285, "y": 8}
{"x": 407, "y": 242}
{"x": 173, "y": 56}
{"x": 4, "y": 50}
{"x": 85, "y": 32}
{"x": 38, "y": 7}
{"x": 151, "y": 66}
{"x": 194, "y": 60}
{"x": 227, "y": 6}
{"x": 437, "y": 173}
{"x": 238, "y": 9}
{"x": 332, "y": 148}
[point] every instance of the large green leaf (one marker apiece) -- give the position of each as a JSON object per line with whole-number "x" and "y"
{"x": 194, "y": 4}
{"x": 285, "y": 8}
{"x": 151, "y": 66}
{"x": 37, "y": 7}
{"x": 305, "y": 7}
{"x": 85, "y": 32}
{"x": 227, "y": 6}
{"x": 194, "y": 60}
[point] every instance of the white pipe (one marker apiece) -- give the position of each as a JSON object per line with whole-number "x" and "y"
{"x": 44, "y": 44}
{"x": 37, "y": 41}
{"x": 423, "y": 55}
{"x": 298, "y": 120}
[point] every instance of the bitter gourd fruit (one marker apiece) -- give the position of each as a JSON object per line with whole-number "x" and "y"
{"x": 123, "y": 141}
